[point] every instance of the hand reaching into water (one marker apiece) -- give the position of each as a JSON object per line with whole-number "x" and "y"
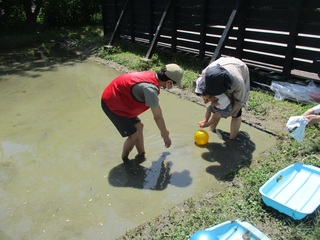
{"x": 202, "y": 123}
{"x": 166, "y": 139}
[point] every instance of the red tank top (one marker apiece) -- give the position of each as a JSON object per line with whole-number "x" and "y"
{"x": 118, "y": 96}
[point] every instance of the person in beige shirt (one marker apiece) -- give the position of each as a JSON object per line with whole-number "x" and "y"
{"x": 229, "y": 76}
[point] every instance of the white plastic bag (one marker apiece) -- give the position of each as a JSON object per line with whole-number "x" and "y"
{"x": 296, "y": 126}
{"x": 295, "y": 92}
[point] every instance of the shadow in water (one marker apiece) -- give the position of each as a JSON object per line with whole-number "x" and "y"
{"x": 156, "y": 177}
{"x": 37, "y": 58}
{"x": 231, "y": 155}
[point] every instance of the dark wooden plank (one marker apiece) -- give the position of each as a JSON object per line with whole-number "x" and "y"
{"x": 188, "y": 11}
{"x": 228, "y": 51}
{"x": 189, "y": 36}
{"x": 313, "y": 42}
{"x": 265, "y": 59}
{"x": 313, "y": 29}
{"x": 180, "y": 42}
{"x": 212, "y": 40}
{"x": 271, "y": 49}
{"x": 258, "y": 24}
{"x": 215, "y": 30}
{"x": 270, "y": 3}
{"x": 306, "y": 54}
{"x": 312, "y": 16}
{"x": 236, "y": 11}
{"x": 307, "y": 67}
{"x": 159, "y": 29}
{"x": 165, "y": 39}
{"x": 255, "y": 34}
{"x": 142, "y": 35}
{"x": 291, "y": 40}
{"x": 307, "y": 4}
{"x": 269, "y": 15}
{"x": 188, "y": 44}
{"x": 191, "y": 26}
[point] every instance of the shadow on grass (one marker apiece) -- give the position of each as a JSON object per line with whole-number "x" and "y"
{"x": 231, "y": 155}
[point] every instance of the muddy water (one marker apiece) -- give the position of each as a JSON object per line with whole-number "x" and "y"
{"x": 61, "y": 175}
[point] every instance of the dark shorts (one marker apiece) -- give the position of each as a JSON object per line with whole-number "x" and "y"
{"x": 225, "y": 113}
{"x": 239, "y": 114}
{"x": 125, "y": 126}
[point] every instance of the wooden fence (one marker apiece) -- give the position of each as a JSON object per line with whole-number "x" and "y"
{"x": 282, "y": 36}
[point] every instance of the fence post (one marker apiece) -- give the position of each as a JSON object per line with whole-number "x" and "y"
{"x": 158, "y": 31}
{"x": 203, "y": 29}
{"x": 174, "y": 28}
{"x": 131, "y": 12}
{"x": 227, "y": 30}
{"x": 241, "y": 28}
{"x": 291, "y": 41}
{"x": 104, "y": 16}
{"x": 116, "y": 29}
{"x": 151, "y": 19}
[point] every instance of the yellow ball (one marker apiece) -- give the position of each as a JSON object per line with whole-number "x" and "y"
{"x": 201, "y": 137}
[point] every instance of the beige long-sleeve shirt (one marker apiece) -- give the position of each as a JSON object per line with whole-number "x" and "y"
{"x": 239, "y": 75}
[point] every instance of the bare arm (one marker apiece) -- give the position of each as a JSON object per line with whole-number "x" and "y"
{"x": 312, "y": 119}
{"x": 158, "y": 118}
{"x": 207, "y": 115}
{"x": 204, "y": 122}
{"x": 310, "y": 111}
{"x": 311, "y": 116}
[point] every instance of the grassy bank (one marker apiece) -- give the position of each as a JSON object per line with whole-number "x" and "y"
{"x": 241, "y": 200}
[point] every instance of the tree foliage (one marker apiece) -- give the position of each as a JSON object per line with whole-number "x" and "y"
{"x": 17, "y": 14}
{"x": 60, "y": 13}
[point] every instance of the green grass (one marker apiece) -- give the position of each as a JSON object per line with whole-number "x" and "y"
{"x": 241, "y": 199}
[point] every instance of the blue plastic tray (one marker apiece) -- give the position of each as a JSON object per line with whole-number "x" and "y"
{"x": 235, "y": 230}
{"x": 294, "y": 191}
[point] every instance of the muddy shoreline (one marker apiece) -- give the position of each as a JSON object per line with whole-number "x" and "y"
{"x": 267, "y": 124}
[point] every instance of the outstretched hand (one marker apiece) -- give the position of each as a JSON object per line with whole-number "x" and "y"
{"x": 202, "y": 123}
{"x": 166, "y": 139}
{"x": 312, "y": 119}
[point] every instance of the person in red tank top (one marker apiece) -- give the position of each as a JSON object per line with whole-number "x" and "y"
{"x": 131, "y": 94}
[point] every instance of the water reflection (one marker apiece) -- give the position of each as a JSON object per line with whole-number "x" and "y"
{"x": 11, "y": 148}
{"x": 53, "y": 181}
{"x": 231, "y": 154}
{"x": 156, "y": 177}
{"x": 36, "y": 59}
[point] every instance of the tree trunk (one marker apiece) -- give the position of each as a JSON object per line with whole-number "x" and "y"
{"x": 32, "y": 10}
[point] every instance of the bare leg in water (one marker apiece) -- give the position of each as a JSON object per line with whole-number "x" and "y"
{"x": 234, "y": 127}
{"x": 134, "y": 140}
